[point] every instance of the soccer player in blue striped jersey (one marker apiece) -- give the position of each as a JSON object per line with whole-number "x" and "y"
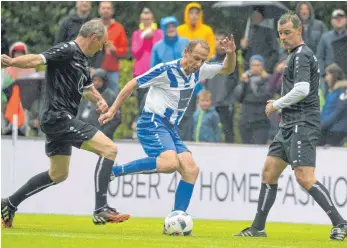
{"x": 171, "y": 86}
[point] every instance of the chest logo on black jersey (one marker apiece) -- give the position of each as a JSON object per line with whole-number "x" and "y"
{"x": 81, "y": 82}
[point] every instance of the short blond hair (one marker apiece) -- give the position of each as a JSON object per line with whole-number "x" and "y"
{"x": 205, "y": 94}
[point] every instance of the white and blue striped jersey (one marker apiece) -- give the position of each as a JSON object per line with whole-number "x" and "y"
{"x": 171, "y": 89}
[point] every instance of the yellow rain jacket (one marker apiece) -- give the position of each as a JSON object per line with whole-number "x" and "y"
{"x": 200, "y": 31}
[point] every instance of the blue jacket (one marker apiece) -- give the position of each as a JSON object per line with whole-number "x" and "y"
{"x": 207, "y": 126}
{"x": 168, "y": 49}
{"x": 334, "y": 113}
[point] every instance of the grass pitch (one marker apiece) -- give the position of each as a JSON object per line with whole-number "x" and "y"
{"x": 56, "y": 231}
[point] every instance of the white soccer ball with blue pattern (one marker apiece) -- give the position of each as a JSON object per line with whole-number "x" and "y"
{"x": 178, "y": 223}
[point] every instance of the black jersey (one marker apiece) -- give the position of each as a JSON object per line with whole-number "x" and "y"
{"x": 301, "y": 66}
{"x": 67, "y": 75}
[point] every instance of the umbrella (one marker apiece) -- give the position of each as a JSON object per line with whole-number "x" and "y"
{"x": 243, "y": 9}
{"x": 31, "y": 87}
{"x": 340, "y": 51}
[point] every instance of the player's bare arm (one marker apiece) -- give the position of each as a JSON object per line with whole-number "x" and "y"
{"x": 25, "y": 61}
{"x": 229, "y": 62}
{"x": 122, "y": 96}
{"x": 93, "y": 95}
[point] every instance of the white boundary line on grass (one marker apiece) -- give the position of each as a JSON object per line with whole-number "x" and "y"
{"x": 63, "y": 235}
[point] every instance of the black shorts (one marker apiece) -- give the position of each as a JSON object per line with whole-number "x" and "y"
{"x": 296, "y": 145}
{"x": 65, "y": 133}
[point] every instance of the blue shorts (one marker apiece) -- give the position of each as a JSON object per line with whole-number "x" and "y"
{"x": 157, "y": 135}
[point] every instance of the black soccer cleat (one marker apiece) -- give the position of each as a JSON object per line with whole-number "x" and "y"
{"x": 110, "y": 215}
{"x": 251, "y": 232}
{"x": 7, "y": 213}
{"x": 339, "y": 232}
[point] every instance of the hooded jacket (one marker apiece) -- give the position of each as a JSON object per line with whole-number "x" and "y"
{"x": 200, "y": 31}
{"x": 87, "y": 110}
{"x": 207, "y": 126}
{"x": 315, "y": 29}
{"x": 334, "y": 113}
{"x": 141, "y": 49}
{"x": 69, "y": 28}
{"x": 168, "y": 49}
{"x": 10, "y": 74}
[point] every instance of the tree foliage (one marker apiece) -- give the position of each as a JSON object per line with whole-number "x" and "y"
{"x": 37, "y": 22}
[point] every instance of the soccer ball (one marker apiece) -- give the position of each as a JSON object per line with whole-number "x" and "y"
{"x": 178, "y": 223}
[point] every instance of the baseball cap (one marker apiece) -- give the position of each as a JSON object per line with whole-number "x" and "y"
{"x": 338, "y": 13}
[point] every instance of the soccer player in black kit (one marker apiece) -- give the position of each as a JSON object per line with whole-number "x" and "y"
{"x": 68, "y": 78}
{"x": 295, "y": 142}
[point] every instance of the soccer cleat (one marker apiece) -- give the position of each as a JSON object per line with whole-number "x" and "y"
{"x": 251, "y": 232}
{"x": 7, "y": 213}
{"x": 108, "y": 214}
{"x": 339, "y": 232}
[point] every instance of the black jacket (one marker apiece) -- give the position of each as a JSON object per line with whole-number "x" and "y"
{"x": 69, "y": 28}
{"x": 262, "y": 41}
{"x": 253, "y": 96}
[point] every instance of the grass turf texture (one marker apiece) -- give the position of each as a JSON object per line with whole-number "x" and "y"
{"x": 55, "y": 231}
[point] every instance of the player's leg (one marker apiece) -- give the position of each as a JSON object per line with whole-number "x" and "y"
{"x": 303, "y": 153}
{"x": 107, "y": 150}
{"x": 58, "y": 172}
{"x": 275, "y": 163}
{"x": 189, "y": 172}
{"x": 157, "y": 143}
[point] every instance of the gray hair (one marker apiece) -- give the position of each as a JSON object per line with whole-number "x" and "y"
{"x": 290, "y": 17}
{"x": 193, "y": 43}
{"x": 91, "y": 27}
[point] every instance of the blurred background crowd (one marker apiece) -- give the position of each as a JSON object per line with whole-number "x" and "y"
{"x": 227, "y": 109}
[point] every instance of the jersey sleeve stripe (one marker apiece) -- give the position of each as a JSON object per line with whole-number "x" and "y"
{"x": 43, "y": 58}
{"x": 148, "y": 77}
{"x": 172, "y": 78}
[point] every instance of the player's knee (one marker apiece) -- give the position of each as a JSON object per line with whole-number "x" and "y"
{"x": 170, "y": 162}
{"x": 110, "y": 151}
{"x": 58, "y": 176}
{"x": 266, "y": 174}
{"x": 195, "y": 171}
{"x": 173, "y": 164}
{"x": 304, "y": 178}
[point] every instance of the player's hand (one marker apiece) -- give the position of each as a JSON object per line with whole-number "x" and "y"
{"x": 102, "y": 106}
{"x": 107, "y": 117}
{"x": 269, "y": 109}
{"x": 228, "y": 44}
{"x": 6, "y": 61}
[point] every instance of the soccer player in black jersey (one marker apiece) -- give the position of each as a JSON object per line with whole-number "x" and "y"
{"x": 68, "y": 78}
{"x": 295, "y": 142}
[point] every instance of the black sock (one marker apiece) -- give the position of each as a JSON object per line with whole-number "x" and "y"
{"x": 34, "y": 185}
{"x": 266, "y": 199}
{"x": 321, "y": 195}
{"x": 102, "y": 178}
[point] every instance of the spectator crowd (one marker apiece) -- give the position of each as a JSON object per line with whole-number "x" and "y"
{"x": 211, "y": 115}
